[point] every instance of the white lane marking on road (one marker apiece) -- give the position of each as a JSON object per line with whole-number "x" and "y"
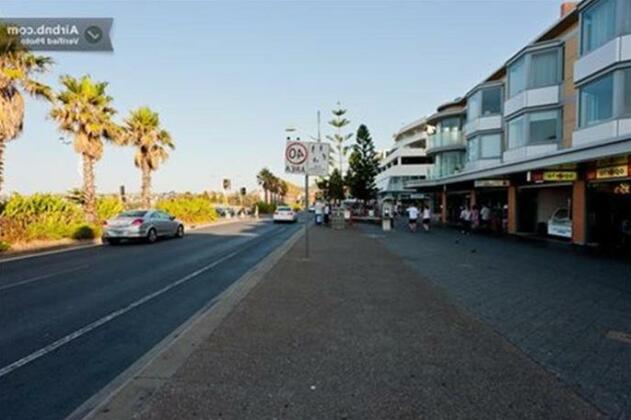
{"x": 94, "y": 325}
{"x": 42, "y": 277}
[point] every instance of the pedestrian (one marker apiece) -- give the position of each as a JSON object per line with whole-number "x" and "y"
{"x": 475, "y": 217}
{"x": 413, "y": 213}
{"x": 427, "y": 216}
{"x": 327, "y": 213}
{"x": 485, "y": 217}
{"x": 465, "y": 219}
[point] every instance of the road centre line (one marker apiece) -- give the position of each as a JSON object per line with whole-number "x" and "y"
{"x": 42, "y": 277}
{"x": 104, "y": 320}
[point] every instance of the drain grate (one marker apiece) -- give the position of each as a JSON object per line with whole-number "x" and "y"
{"x": 619, "y": 336}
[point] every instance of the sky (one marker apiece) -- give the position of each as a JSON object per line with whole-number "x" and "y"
{"x": 228, "y": 78}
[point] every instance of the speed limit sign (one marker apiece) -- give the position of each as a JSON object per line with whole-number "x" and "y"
{"x": 296, "y": 153}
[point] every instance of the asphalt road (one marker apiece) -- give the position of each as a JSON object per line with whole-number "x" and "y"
{"x": 71, "y": 322}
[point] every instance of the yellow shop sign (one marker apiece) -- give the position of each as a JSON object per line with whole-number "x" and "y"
{"x": 559, "y": 176}
{"x": 612, "y": 172}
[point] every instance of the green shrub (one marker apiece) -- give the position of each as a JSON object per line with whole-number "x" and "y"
{"x": 4, "y": 246}
{"x": 189, "y": 208}
{"x": 40, "y": 216}
{"x": 265, "y": 208}
{"x": 86, "y": 232}
{"x": 108, "y": 207}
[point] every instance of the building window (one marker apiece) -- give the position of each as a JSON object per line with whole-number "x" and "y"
{"x": 516, "y": 134}
{"x": 415, "y": 160}
{"x": 596, "y": 101}
{"x": 544, "y": 127}
{"x": 517, "y": 77}
{"x": 626, "y": 91}
{"x": 598, "y": 25}
{"x": 544, "y": 69}
{"x": 490, "y": 146}
{"x": 491, "y": 101}
{"x": 486, "y": 146}
{"x": 484, "y": 103}
{"x": 473, "y": 149}
{"x": 473, "y": 106}
{"x": 448, "y": 124}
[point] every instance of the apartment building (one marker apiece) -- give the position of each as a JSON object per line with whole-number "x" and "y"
{"x": 405, "y": 161}
{"x": 547, "y": 136}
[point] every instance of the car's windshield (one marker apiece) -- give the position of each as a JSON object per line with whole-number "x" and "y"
{"x": 284, "y": 209}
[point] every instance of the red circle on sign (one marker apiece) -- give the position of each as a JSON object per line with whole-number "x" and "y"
{"x": 296, "y": 159}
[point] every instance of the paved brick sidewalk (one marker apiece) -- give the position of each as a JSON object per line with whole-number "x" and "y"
{"x": 354, "y": 333}
{"x": 555, "y": 304}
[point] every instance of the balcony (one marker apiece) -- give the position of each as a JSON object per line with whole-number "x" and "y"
{"x": 530, "y": 98}
{"x": 445, "y": 140}
{"x": 486, "y": 123}
{"x": 615, "y": 51}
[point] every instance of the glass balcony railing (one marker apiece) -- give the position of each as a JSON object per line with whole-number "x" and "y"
{"x": 446, "y": 138}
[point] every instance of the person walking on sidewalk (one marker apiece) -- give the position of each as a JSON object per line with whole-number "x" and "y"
{"x": 475, "y": 217}
{"x": 427, "y": 217}
{"x": 412, "y": 217}
{"x": 465, "y": 219}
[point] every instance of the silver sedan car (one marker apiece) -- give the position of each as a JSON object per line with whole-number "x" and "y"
{"x": 141, "y": 224}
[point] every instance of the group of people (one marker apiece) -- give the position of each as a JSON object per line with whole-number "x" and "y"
{"x": 473, "y": 218}
{"x": 414, "y": 212}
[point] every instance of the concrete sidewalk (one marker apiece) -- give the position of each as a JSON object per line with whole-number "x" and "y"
{"x": 354, "y": 333}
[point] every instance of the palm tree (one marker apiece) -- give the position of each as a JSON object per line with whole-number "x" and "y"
{"x": 17, "y": 66}
{"x": 84, "y": 110}
{"x": 282, "y": 189}
{"x": 142, "y": 129}
{"x": 265, "y": 179}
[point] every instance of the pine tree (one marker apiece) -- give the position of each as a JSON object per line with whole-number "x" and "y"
{"x": 363, "y": 166}
{"x": 339, "y": 139}
{"x": 335, "y": 185}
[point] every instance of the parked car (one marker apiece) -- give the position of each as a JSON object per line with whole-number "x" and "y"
{"x": 285, "y": 214}
{"x": 560, "y": 223}
{"x": 141, "y": 224}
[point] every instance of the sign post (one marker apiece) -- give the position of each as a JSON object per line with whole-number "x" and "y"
{"x": 308, "y": 158}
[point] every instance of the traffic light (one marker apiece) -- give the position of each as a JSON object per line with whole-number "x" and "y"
{"x": 226, "y": 184}
{"x": 243, "y": 191}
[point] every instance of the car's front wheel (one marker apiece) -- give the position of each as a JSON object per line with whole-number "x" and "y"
{"x": 111, "y": 241}
{"x": 179, "y": 233}
{"x": 152, "y": 236}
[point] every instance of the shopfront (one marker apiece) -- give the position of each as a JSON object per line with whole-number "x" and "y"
{"x": 545, "y": 203}
{"x": 493, "y": 193}
{"x": 609, "y": 204}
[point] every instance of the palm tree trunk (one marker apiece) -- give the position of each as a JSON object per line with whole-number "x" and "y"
{"x": 146, "y": 186}
{"x": 88, "y": 189}
{"x": 266, "y": 196}
{"x": 2, "y": 146}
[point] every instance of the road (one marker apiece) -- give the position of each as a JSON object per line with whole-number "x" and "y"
{"x": 71, "y": 322}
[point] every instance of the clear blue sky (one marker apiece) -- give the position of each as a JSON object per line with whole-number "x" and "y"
{"x": 228, "y": 77}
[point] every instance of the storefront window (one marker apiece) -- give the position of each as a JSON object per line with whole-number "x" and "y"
{"x": 516, "y": 135}
{"x": 517, "y": 77}
{"x": 544, "y": 127}
{"x": 544, "y": 69}
{"x": 596, "y": 101}
{"x": 598, "y": 25}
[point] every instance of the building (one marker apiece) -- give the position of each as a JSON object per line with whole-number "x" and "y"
{"x": 406, "y": 161}
{"x": 547, "y": 135}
